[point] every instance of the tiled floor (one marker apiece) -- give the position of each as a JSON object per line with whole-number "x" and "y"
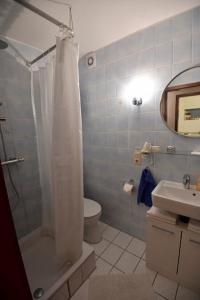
{"x": 119, "y": 252}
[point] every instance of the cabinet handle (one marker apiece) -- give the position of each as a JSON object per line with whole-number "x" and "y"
{"x": 195, "y": 242}
{"x": 165, "y": 230}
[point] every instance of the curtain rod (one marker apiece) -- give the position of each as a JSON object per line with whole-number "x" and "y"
{"x": 41, "y": 13}
{"x": 48, "y": 18}
{"x": 30, "y": 63}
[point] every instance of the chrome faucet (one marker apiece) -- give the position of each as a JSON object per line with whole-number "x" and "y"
{"x": 186, "y": 181}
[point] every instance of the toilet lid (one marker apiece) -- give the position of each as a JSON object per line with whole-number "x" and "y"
{"x": 91, "y": 208}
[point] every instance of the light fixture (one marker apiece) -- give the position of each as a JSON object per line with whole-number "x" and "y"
{"x": 137, "y": 101}
{"x": 139, "y": 89}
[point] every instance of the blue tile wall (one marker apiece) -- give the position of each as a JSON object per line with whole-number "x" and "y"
{"x": 20, "y": 140}
{"x": 112, "y": 129}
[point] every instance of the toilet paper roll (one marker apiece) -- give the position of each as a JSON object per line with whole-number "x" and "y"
{"x": 128, "y": 187}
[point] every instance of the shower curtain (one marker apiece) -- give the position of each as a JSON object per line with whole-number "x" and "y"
{"x": 56, "y": 102}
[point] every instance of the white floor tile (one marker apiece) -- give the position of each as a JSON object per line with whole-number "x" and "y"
{"x": 141, "y": 268}
{"x": 100, "y": 247}
{"x": 185, "y": 294}
{"x": 122, "y": 240}
{"x": 110, "y": 233}
{"x": 82, "y": 293}
{"x": 127, "y": 262}
{"x": 144, "y": 256}
{"x": 112, "y": 254}
{"x": 165, "y": 287}
{"x": 102, "y": 267}
{"x": 137, "y": 247}
{"x": 116, "y": 271}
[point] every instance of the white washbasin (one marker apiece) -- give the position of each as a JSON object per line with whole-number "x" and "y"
{"x": 173, "y": 197}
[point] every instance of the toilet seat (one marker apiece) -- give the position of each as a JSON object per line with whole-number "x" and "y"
{"x": 91, "y": 208}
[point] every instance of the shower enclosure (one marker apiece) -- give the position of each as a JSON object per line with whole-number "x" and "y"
{"x": 40, "y": 152}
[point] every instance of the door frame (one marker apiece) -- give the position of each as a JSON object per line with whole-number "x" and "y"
{"x": 13, "y": 281}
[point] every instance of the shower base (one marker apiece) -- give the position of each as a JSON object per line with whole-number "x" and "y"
{"x": 38, "y": 253}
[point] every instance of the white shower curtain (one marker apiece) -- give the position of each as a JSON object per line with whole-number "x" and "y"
{"x": 59, "y": 133}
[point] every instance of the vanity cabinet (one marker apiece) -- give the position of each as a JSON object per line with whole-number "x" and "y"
{"x": 189, "y": 261}
{"x": 174, "y": 252}
{"x": 163, "y": 242}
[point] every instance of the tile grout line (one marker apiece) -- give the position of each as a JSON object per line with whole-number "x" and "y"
{"x": 109, "y": 243}
{"x": 161, "y": 295}
{"x": 136, "y": 256}
{"x": 154, "y": 279}
{"x": 124, "y": 250}
{"x": 99, "y": 256}
{"x": 176, "y": 291}
{"x": 114, "y": 266}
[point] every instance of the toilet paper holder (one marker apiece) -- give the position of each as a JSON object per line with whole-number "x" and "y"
{"x": 129, "y": 186}
{"x": 130, "y": 181}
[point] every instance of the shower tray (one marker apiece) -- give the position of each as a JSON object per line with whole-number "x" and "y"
{"x": 38, "y": 253}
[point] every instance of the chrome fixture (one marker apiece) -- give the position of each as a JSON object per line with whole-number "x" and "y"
{"x": 186, "y": 181}
{"x": 7, "y": 162}
{"x": 38, "y": 293}
{"x": 137, "y": 101}
{"x": 12, "y": 161}
{"x": 171, "y": 149}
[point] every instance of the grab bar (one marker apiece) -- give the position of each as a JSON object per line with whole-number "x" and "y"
{"x": 12, "y": 161}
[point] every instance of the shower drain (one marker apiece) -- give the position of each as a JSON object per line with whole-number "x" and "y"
{"x": 38, "y": 293}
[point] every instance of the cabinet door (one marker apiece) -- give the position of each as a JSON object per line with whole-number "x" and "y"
{"x": 189, "y": 262}
{"x": 163, "y": 243}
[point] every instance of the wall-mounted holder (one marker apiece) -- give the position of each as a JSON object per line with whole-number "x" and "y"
{"x": 137, "y": 101}
{"x": 129, "y": 186}
{"x": 171, "y": 149}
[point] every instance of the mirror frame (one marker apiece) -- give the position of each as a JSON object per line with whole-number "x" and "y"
{"x": 163, "y": 93}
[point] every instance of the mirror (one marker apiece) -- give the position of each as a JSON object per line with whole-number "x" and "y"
{"x": 180, "y": 103}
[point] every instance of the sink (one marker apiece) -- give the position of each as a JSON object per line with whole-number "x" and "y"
{"x": 173, "y": 197}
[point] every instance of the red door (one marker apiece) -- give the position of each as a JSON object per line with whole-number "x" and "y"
{"x": 13, "y": 281}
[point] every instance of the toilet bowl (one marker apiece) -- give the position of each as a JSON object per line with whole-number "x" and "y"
{"x": 92, "y": 213}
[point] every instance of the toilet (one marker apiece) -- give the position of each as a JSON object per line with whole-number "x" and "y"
{"x": 92, "y": 213}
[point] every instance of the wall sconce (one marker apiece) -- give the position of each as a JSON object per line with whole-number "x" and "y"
{"x": 137, "y": 101}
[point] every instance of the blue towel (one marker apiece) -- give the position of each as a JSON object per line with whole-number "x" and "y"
{"x": 146, "y": 186}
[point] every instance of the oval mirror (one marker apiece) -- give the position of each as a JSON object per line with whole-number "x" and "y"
{"x": 180, "y": 103}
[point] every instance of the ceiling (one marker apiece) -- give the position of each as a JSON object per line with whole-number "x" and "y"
{"x": 97, "y": 23}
